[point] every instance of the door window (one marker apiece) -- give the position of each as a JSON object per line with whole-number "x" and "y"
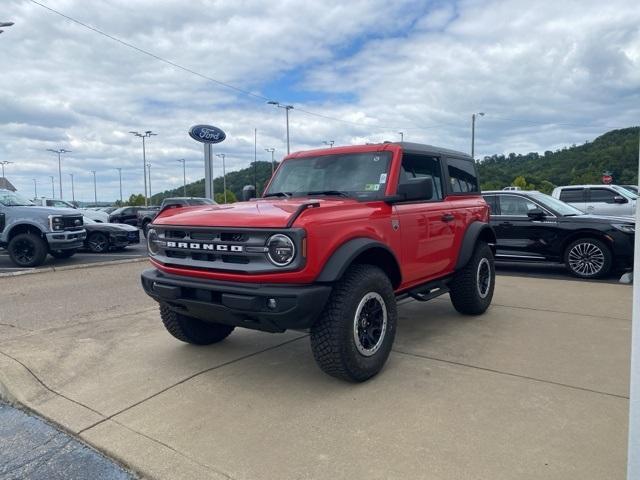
{"x": 572, "y": 195}
{"x": 421, "y": 166}
{"x": 462, "y": 175}
{"x": 516, "y": 206}
{"x": 492, "y": 201}
{"x": 603, "y": 195}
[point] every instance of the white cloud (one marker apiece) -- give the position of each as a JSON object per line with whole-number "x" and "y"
{"x": 547, "y": 74}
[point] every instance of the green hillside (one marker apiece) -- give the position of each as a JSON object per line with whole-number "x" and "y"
{"x": 615, "y": 151}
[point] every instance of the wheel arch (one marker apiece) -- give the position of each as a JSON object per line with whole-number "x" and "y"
{"x": 476, "y": 231}
{"x": 24, "y": 227}
{"x": 594, "y": 234}
{"x": 361, "y": 251}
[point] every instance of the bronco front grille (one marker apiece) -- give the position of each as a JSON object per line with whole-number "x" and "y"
{"x": 225, "y": 249}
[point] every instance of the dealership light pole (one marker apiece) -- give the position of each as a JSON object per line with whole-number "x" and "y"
{"x": 401, "y": 136}
{"x": 35, "y": 188}
{"x": 59, "y": 152}
{"x": 272, "y": 159}
{"x": 224, "y": 176}
{"x": 473, "y": 132}
{"x": 144, "y": 135}
{"x": 149, "y": 172}
{"x": 286, "y": 108}
{"x": 120, "y": 177}
{"x": 53, "y": 188}
{"x": 95, "y": 188}
{"x": 73, "y": 194}
{"x": 329, "y": 142}
{"x": 184, "y": 176}
{"x": 3, "y": 163}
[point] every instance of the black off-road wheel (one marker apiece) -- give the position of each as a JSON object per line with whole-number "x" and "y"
{"x": 98, "y": 242}
{"x": 353, "y": 337}
{"x": 145, "y": 228}
{"x": 27, "y": 250}
{"x": 62, "y": 254}
{"x": 471, "y": 290}
{"x": 192, "y": 330}
{"x": 588, "y": 258}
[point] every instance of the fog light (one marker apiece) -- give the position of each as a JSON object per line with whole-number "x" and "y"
{"x": 272, "y": 304}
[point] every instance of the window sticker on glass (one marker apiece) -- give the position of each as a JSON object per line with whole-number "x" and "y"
{"x": 376, "y": 158}
{"x": 383, "y": 178}
{"x": 371, "y": 187}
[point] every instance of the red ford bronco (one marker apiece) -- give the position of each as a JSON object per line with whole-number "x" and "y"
{"x": 337, "y": 238}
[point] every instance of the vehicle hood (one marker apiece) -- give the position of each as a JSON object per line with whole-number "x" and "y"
{"x": 94, "y": 214}
{"x": 110, "y": 227}
{"x": 268, "y": 213}
{"x": 599, "y": 219}
{"x": 46, "y": 211}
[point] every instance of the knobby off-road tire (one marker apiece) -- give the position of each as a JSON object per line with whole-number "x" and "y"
{"x": 471, "y": 289}
{"x": 354, "y": 334}
{"x": 61, "y": 254}
{"x": 27, "y": 250}
{"x": 588, "y": 258}
{"x": 192, "y": 330}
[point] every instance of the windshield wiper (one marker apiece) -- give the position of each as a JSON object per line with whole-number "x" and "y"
{"x": 329, "y": 192}
{"x": 278, "y": 194}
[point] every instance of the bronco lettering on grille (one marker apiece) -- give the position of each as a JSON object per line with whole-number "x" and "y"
{"x": 205, "y": 246}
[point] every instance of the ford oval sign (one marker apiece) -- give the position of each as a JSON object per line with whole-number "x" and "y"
{"x": 207, "y": 134}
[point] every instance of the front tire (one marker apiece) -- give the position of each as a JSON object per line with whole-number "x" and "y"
{"x": 588, "y": 258}
{"x": 27, "y": 250}
{"x": 98, "y": 242}
{"x": 471, "y": 290}
{"x": 353, "y": 337}
{"x": 192, "y": 330}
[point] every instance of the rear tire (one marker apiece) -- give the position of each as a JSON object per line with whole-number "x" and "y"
{"x": 62, "y": 254}
{"x": 98, "y": 242}
{"x": 27, "y": 250}
{"x": 588, "y": 258}
{"x": 192, "y": 330}
{"x": 353, "y": 337}
{"x": 471, "y": 290}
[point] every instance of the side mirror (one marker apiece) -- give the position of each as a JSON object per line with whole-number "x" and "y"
{"x": 535, "y": 214}
{"x": 248, "y": 192}
{"x": 620, "y": 199}
{"x": 416, "y": 189}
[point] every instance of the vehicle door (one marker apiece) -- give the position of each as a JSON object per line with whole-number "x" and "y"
{"x": 428, "y": 233}
{"x": 3, "y": 219}
{"x": 576, "y": 197}
{"x": 130, "y": 216}
{"x": 606, "y": 201}
{"x": 519, "y": 236}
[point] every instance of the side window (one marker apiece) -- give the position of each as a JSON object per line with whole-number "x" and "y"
{"x": 515, "y": 206}
{"x": 602, "y": 195}
{"x": 462, "y": 175}
{"x": 420, "y": 166}
{"x": 492, "y": 201}
{"x": 570, "y": 195}
{"x": 127, "y": 211}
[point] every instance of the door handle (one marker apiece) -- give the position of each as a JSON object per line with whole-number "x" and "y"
{"x": 448, "y": 217}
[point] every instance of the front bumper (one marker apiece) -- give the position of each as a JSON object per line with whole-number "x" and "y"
{"x": 66, "y": 240}
{"x": 238, "y": 304}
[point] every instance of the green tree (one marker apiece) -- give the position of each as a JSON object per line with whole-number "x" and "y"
{"x": 136, "y": 200}
{"x": 231, "y": 197}
{"x": 545, "y": 186}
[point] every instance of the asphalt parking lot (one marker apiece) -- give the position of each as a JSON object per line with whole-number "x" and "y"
{"x": 535, "y": 388}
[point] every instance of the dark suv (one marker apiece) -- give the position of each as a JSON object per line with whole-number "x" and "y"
{"x": 533, "y": 227}
{"x": 338, "y": 236}
{"x": 128, "y": 215}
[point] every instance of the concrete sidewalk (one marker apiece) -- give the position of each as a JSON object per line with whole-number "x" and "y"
{"x": 535, "y": 388}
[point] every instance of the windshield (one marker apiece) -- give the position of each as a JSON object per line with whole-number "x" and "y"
{"x": 561, "y": 208}
{"x": 359, "y": 175}
{"x": 11, "y": 199}
{"x": 624, "y": 192}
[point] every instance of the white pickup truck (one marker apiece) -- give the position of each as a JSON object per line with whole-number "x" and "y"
{"x": 96, "y": 216}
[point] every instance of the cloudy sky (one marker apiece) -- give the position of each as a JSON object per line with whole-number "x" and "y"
{"x": 546, "y": 73}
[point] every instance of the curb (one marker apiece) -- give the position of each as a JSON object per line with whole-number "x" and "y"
{"x": 73, "y": 267}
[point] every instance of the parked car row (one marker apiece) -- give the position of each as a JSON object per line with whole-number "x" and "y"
{"x": 533, "y": 227}
{"x": 147, "y": 215}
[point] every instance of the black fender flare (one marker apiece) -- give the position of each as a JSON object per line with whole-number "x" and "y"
{"x": 345, "y": 255}
{"x": 474, "y": 232}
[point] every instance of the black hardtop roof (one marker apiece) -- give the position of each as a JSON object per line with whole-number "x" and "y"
{"x": 430, "y": 149}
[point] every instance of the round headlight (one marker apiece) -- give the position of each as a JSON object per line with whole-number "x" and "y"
{"x": 281, "y": 250}
{"x": 153, "y": 242}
